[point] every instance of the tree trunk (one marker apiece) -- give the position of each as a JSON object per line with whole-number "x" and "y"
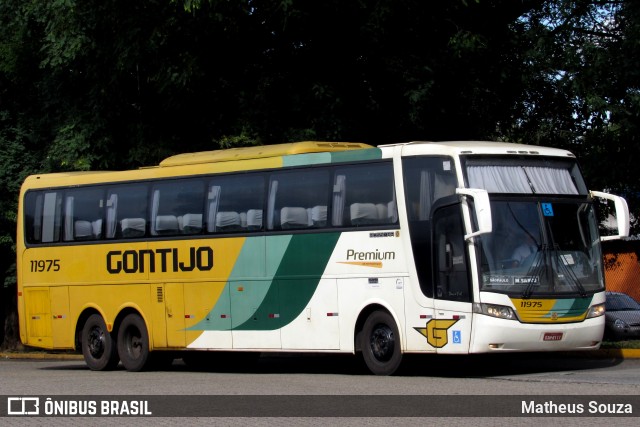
{"x": 9, "y": 335}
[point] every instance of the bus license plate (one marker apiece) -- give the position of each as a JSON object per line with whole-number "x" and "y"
{"x": 552, "y": 336}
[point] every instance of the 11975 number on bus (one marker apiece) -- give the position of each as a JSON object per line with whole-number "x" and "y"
{"x": 42, "y": 265}
{"x": 531, "y": 304}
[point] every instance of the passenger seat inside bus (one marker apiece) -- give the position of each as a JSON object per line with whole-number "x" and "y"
{"x": 190, "y": 223}
{"x": 87, "y": 230}
{"x": 133, "y": 227}
{"x": 228, "y": 221}
{"x": 96, "y": 228}
{"x": 318, "y": 215}
{"x": 166, "y": 224}
{"x": 254, "y": 219}
{"x": 294, "y": 217}
{"x": 82, "y": 230}
{"x": 370, "y": 213}
{"x": 298, "y": 217}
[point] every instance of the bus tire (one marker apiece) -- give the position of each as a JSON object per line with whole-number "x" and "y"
{"x": 380, "y": 343}
{"x": 133, "y": 343}
{"x": 98, "y": 347}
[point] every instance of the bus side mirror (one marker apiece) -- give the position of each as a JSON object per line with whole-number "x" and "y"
{"x": 622, "y": 214}
{"x": 482, "y": 209}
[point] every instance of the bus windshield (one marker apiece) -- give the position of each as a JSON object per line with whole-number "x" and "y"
{"x": 541, "y": 248}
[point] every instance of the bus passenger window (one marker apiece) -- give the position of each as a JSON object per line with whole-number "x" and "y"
{"x": 126, "y": 211}
{"x": 43, "y": 216}
{"x": 234, "y": 204}
{"x": 177, "y": 207}
{"x": 83, "y": 214}
{"x": 363, "y": 195}
{"x": 298, "y": 200}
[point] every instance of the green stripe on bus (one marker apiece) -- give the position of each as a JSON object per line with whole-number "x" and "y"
{"x": 571, "y": 307}
{"x": 294, "y": 267}
{"x": 247, "y": 296}
{"x": 332, "y": 157}
{"x": 247, "y": 282}
{"x": 295, "y": 281}
{"x": 355, "y": 155}
{"x": 306, "y": 159}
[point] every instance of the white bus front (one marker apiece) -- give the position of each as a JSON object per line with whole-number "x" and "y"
{"x": 522, "y": 272}
{"x": 541, "y": 274}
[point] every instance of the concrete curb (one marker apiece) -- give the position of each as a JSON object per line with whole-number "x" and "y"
{"x": 28, "y": 355}
{"x": 617, "y": 353}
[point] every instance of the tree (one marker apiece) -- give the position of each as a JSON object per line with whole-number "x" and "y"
{"x": 581, "y": 65}
{"x": 119, "y": 84}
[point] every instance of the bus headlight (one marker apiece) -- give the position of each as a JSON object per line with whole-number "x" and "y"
{"x": 595, "y": 310}
{"x": 494, "y": 310}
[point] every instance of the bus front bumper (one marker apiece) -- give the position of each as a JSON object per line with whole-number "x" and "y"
{"x": 499, "y": 335}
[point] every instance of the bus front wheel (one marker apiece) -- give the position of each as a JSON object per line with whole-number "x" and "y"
{"x": 380, "y": 344}
{"x": 98, "y": 347}
{"x": 133, "y": 343}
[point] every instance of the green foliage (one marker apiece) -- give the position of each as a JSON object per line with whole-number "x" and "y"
{"x": 121, "y": 84}
{"x": 581, "y": 65}
{"x": 67, "y": 32}
{"x": 69, "y": 150}
{"x": 241, "y": 140}
{"x": 10, "y": 277}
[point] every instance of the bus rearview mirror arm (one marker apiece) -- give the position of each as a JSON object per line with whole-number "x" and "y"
{"x": 482, "y": 209}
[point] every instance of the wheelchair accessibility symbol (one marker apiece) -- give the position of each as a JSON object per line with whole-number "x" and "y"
{"x": 457, "y": 337}
{"x": 547, "y": 209}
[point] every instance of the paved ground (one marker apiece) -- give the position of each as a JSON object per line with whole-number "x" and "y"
{"x": 52, "y": 355}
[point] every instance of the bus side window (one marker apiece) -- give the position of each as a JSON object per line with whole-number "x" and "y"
{"x": 235, "y": 203}
{"x": 126, "y": 211}
{"x": 83, "y": 214}
{"x": 298, "y": 199}
{"x": 363, "y": 195}
{"x": 177, "y": 207}
{"x": 51, "y": 217}
{"x": 33, "y": 204}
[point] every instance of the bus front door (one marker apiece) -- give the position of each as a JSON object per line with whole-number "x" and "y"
{"x": 452, "y": 292}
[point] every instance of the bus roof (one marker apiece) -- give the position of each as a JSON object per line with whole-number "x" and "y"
{"x": 218, "y": 161}
{"x": 477, "y": 147}
{"x": 260, "y": 152}
{"x": 283, "y": 155}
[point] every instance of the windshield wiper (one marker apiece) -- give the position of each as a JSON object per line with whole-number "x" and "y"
{"x": 535, "y": 271}
{"x": 551, "y": 262}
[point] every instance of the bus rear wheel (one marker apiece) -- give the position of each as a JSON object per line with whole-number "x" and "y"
{"x": 380, "y": 344}
{"x": 133, "y": 343}
{"x": 98, "y": 347}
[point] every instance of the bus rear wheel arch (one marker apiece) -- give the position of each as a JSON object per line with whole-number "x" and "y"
{"x": 379, "y": 342}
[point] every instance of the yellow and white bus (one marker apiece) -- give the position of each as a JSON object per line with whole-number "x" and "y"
{"x": 421, "y": 247}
